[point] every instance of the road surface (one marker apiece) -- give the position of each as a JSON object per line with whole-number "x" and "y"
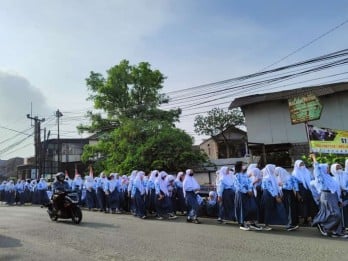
{"x": 26, "y": 233}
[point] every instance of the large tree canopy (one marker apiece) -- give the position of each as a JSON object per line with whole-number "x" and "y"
{"x": 217, "y": 120}
{"x": 136, "y": 134}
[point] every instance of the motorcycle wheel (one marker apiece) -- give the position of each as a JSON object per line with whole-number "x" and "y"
{"x": 76, "y": 215}
{"x": 52, "y": 216}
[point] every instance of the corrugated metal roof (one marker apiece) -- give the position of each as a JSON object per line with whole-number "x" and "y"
{"x": 320, "y": 90}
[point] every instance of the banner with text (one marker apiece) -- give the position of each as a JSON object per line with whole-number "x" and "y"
{"x": 325, "y": 140}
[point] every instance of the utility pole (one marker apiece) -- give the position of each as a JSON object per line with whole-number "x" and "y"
{"x": 37, "y": 142}
{"x": 58, "y": 115}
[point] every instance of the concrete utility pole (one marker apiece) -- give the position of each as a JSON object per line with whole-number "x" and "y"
{"x": 58, "y": 115}
{"x": 37, "y": 142}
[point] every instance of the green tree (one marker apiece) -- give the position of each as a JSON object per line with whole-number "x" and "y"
{"x": 135, "y": 132}
{"x": 217, "y": 121}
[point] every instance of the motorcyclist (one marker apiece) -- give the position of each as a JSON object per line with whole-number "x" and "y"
{"x": 59, "y": 186}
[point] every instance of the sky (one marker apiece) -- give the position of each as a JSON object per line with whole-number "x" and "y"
{"x": 48, "y": 49}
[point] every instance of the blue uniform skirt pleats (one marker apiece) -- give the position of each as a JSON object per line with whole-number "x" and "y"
{"x": 228, "y": 199}
{"x": 273, "y": 212}
{"x": 246, "y": 207}
{"x": 329, "y": 215}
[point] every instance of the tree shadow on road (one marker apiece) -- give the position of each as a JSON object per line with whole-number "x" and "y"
{"x": 6, "y": 242}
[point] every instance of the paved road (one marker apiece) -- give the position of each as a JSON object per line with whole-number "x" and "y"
{"x": 26, "y": 233}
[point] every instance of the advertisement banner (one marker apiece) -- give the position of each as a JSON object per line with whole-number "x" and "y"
{"x": 325, "y": 140}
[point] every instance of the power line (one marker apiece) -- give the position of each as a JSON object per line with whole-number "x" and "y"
{"x": 307, "y": 44}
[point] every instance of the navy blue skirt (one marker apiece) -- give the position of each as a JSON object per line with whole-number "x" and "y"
{"x": 273, "y": 212}
{"x": 246, "y": 207}
{"x": 228, "y": 199}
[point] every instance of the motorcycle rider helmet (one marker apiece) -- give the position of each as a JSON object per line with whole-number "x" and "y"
{"x": 60, "y": 176}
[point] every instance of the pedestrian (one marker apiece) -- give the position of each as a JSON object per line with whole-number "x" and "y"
{"x": 162, "y": 197}
{"x": 226, "y": 193}
{"x": 138, "y": 195}
{"x": 255, "y": 175}
{"x": 180, "y": 205}
{"x": 151, "y": 192}
{"x": 130, "y": 186}
{"x": 111, "y": 190}
{"x": 212, "y": 206}
{"x": 191, "y": 189}
{"x": 329, "y": 218}
{"x": 101, "y": 197}
{"x": 91, "y": 197}
{"x": 42, "y": 187}
{"x": 306, "y": 206}
{"x": 272, "y": 205}
{"x": 246, "y": 207}
{"x": 289, "y": 191}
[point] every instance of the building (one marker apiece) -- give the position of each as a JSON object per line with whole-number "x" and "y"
{"x": 269, "y": 126}
{"x": 229, "y": 144}
{"x": 61, "y": 155}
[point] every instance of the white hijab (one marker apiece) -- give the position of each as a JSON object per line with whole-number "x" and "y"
{"x": 268, "y": 174}
{"x": 302, "y": 174}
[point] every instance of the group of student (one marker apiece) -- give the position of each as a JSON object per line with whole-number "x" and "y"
{"x": 24, "y": 192}
{"x": 247, "y": 195}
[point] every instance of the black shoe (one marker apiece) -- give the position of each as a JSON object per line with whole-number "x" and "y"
{"x": 196, "y": 221}
{"x": 291, "y": 228}
{"x": 188, "y": 220}
{"x": 321, "y": 230}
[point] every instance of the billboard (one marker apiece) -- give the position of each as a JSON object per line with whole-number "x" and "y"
{"x": 305, "y": 108}
{"x": 325, "y": 140}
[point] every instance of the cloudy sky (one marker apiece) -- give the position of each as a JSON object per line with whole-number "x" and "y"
{"x": 48, "y": 48}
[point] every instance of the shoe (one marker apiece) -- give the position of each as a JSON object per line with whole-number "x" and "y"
{"x": 144, "y": 217}
{"x": 267, "y": 228}
{"x": 255, "y": 227}
{"x": 335, "y": 235}
{"x": 196, "y": 221}
{"x": 321, "y": 230}
{"x": 188, "y": 220}
{"x": 291, "y": 228}
{"x": 244, "y": 227}
{"x": 159, "y": 218}
{"x": 171, "y": 216}
{"x": 219, "y": 220}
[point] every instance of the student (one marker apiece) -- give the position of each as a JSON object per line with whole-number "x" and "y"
{"x": 10, "y": 193}
{"x": 226, "y": 193}
{"x": 306, "y": 206}
{"x": 91, "y": 197}
{"x": 42, "y": 187}
{"x": 101, "y": 197}
{"x": 180, "y": 205}
{"x": 162, "y": 197}
{"x": 138, "y": 194}
{"x": 130, "y": 186}
{"x": 111, "y": 192}
{"x": 289, "y": 190}
{"x": 254, "y": 173}
{"x": 2, "y": 191}
{"x": 273, "y": 208}
{"x": 246, "y": 207}
{"x": 190, "y": 190}
{"x": 212, "y": 206}
{"x": 341, "y": 177}
{"x": 151, "y": 192}
{"x": 124, "y": 202}
{"x": 171, "y": 193}
{"x": 329, "y": 219}
{"x": 220, "y": 206}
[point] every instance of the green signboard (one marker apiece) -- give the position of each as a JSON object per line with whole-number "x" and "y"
{"x": 305, "y": 108}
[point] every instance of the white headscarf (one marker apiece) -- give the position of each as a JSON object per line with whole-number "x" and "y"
{"x": 226, "y": 176}
{"x": 138, "y": 182}
{"x": 162, "y": 182}
{"x": 268, "y": 174}
{"x": 190, "y": 182}
{"x": 302, "y": 174}
{"x": 326, "y": 180}
{"x": 89, "y": 183}
{"x": 282, "y": 175}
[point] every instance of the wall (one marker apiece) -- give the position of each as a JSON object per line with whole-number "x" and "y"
{"x": 269, "y": 122}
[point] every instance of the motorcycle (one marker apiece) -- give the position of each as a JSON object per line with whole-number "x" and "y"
{"x": 69, "y": 209}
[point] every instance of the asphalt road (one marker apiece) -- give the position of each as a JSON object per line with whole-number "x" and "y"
{"x": 26, "y": 233}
